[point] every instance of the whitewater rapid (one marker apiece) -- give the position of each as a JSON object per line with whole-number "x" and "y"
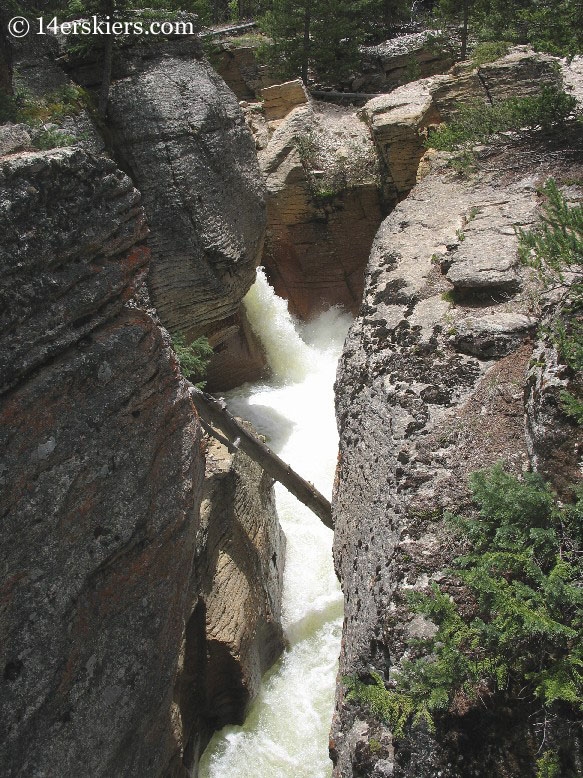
{"x": 286, "y": 732}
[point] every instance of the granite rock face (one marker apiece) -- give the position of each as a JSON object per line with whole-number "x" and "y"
{"x": 101, "y": 478}
{"x": 432, "y": 386}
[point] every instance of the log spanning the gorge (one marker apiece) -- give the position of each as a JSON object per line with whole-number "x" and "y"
{"x": 214, "y": 413}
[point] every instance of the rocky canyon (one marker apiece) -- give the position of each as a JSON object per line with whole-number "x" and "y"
{"x": 142, "y": 558}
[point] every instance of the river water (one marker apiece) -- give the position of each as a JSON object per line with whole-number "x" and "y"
{"x": 286, "y": 732}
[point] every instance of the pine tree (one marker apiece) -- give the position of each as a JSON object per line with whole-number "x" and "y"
{"x": 319, "y": 35}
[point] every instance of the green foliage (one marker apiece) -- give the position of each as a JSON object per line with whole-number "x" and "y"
{"x": 548, "y": 766}
{"x": 8, "y": 108}
{"x": 68, "y": 100}
{"x": 555, "y": 26}
{"x": 557, "y": 244}
{"x": 514, "y": 630}
{"x": 489, "y": 52}
{"x": 413, "y": 70}
{"x": 478, "y": 123}
{"x": 193, "y": 358}
{"x": 52, "y": 139}
{"x": 555, "y": 248}
{"x": 392, "y": 707}
{"x": 319, "y": 35}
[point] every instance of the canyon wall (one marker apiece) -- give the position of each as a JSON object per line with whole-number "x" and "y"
{"x": 101, "y": 478}
{"x": 177, "y": 130}
{"x": 114, "y": 584}
{"x": 234, "y": 634}
{"x": 324, "y": 202}
{"x": 438, "y": 374}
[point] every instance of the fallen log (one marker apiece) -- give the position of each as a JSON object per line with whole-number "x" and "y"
{"x": 208, "y": 32}
{"x": 214, "y": 413}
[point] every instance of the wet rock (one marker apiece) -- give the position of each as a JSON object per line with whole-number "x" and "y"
{"x": 239, "y": 587}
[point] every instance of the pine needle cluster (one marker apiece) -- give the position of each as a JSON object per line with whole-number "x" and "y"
{"x": 515, "y": 629}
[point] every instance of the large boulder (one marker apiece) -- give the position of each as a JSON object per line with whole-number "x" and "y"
{"x": 324, "y": 207}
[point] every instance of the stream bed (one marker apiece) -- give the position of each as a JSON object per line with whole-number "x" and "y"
{"x": 286, "y": 731}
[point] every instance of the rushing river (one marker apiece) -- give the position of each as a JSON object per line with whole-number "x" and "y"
{"x": 286, "y": 731}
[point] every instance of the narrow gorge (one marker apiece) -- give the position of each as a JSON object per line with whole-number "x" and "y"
{"x": 167, "y": 611}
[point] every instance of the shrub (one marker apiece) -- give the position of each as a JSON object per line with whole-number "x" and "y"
{"x": 52, "y": 139}
{"x": 193, "y": 358}
{"x": 554, "y": 249}
{"x": 489, "y": 52}
{"x": 517, "y": 634}
{"x": 478, "y": 123}
{"x": 68, "y": 100}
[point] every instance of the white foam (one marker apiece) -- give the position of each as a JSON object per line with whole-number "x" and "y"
{"x": 286, "y": 732}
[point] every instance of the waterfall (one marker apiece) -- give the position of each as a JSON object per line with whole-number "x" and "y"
{"x": 286, "y": 731}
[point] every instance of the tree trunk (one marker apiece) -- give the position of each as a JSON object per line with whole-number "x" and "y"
{"x": 306, "y": 41}
{"x": 5, "y": 56}
{"x": 387, "y": 15}
{"x": 109, "y": 10}
{"x": 213, "y": 412}
{"x": 465, "y": 29}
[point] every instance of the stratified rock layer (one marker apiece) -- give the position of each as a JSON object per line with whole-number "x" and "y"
{"x": 113, "y": 643}
{"x": 399, "y": 121}
{"x": 101, "y": 478}
{"x": 238, "y": 609}
{"x": 179, "y": 131}
{"x": 430, "y": 388}
{"x": 324, "y": 207}
{"x": 405, "y": 58}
